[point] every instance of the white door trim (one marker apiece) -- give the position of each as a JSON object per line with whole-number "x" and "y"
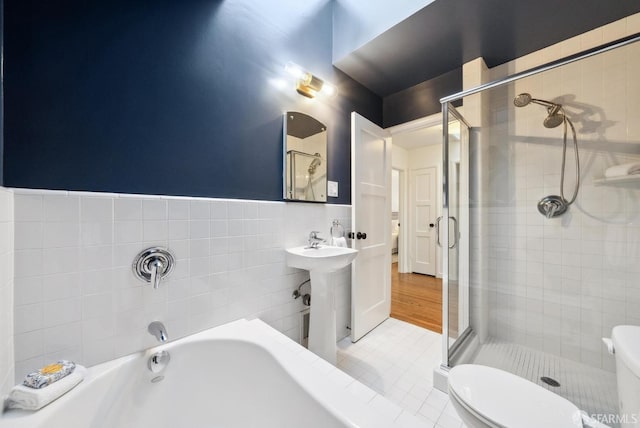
{"x": 405, "y": 218}
{"x": 414, "y": 125}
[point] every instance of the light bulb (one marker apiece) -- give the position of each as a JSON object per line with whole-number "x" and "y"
{"x": 296, "y": 71}
{"x": 328, "y": 90}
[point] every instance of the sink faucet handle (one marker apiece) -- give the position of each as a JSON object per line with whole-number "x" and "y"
{"x": 314, "y": 239}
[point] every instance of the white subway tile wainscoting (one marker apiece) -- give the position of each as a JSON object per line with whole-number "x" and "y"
{"x": 6, "y": 291}
{"x": 76, "y": 296}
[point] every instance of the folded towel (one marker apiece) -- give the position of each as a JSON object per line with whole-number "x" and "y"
{"x": 49, "y": 374}
{"x": 24, "y": 397}
{"x": 623, "y": 170}
{"x": 339, "y": 242}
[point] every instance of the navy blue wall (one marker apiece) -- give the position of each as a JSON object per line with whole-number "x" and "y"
{"x": 167, "y": 97}
{"x": 422, "y": 99}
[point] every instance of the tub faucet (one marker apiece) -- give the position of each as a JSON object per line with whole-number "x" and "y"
{"x": 314, "y": 239}
{"x": 158, "y": 330}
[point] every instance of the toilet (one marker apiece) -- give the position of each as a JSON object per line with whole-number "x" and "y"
{"x": 488, "y": 397}
{"x": 626, "y": 347}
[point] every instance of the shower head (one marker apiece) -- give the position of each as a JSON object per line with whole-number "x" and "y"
{"x": 525, "y": 99}
{"x": 314, "y": 164}
{"x": 556, "y": 115}
{"x": 522, "y": 100}
{"x": 554, "y": 120}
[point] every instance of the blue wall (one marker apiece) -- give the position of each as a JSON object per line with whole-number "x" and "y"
{"x": 167, "y": 97}
{"x": 422, "y": 99}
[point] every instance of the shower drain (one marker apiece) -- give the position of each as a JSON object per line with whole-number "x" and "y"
{"x": 550, "y": 381}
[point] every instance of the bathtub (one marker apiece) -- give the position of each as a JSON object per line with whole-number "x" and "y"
{"x": 242, "y": 374}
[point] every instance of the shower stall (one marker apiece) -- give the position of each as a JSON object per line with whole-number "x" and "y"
{"x": 543, "y": 238}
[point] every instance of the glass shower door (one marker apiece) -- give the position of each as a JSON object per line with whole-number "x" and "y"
{"x": 455, "y": 228}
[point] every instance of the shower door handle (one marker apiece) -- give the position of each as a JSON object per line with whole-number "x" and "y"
{"x": 456, "y": 233}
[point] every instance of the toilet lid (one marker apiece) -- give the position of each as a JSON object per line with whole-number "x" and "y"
{"x": 508, "y": 400}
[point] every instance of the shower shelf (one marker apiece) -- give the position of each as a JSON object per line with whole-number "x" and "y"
{"x": 627, "y": 179}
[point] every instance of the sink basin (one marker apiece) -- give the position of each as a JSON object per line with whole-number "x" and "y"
{"x": 321, "y": 262}
{"x": 321, "y": 259}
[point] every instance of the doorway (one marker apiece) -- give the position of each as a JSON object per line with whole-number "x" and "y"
{"x": 416, "y": 284}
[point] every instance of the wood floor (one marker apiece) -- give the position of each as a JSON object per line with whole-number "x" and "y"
{"x": 416, "y": 299}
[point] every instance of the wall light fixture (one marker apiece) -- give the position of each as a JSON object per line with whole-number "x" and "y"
{"x": 309, "y": 85}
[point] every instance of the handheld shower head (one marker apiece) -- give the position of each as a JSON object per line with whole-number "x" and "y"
{"x": 554, "y": 120}
{"x": 314, "y": 164}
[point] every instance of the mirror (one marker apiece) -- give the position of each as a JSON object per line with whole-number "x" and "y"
{"x": 305, "y": 158}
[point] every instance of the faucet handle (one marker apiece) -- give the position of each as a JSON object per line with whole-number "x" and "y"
{"x": 314, "y": 234}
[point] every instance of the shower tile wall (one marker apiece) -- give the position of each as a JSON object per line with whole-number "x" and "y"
{"x": 6, "y": 291}
{"x": 559, "y": 285}
{"x": 76, "y": 296}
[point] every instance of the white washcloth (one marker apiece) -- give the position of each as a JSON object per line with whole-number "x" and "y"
{"x": 623, "y": 170}
{"x": 23, "y": 397}
{"x": 339, "y": 242}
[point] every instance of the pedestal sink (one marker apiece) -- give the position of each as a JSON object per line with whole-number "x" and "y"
{"x": 320, "y": 262}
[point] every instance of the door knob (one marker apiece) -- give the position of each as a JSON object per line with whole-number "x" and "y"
{"x": 361, "y": 235}
{"x": 431, "y": 225}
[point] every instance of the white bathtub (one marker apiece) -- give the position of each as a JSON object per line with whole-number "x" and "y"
{"x": 243, "y": 374}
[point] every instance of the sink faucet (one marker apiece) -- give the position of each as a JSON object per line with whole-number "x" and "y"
{"x": 158, "y": 330}
{"x": 314, "y": 240}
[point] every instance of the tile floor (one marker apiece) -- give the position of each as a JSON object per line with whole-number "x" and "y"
{"x": 397, "y": 360}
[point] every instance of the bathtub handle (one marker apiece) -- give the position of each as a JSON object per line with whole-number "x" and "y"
{"x": 153, "y": 265}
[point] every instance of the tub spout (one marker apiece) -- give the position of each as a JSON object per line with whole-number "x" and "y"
{"x": 158, "y": 330}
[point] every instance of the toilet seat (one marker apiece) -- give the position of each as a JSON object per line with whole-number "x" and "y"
{"x": 502, "y": 399}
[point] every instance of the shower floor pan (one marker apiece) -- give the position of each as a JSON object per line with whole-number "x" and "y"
{"x": 592, "y": 390}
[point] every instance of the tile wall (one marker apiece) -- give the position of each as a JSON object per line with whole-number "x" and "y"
{"x": 6, "y": 291}
{"x": 76, "y": 296}
{"x": 559, "y": 285}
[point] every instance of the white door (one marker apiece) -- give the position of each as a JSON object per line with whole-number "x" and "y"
{"x": 371, "y": 225}
{"x": 423, "y": 209}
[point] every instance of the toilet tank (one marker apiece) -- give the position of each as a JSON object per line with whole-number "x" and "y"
{"x": 626, "y": 343}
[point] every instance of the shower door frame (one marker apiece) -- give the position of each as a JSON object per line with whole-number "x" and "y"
{"x": 446, "y": 108}
{"x": 450, "y": 112}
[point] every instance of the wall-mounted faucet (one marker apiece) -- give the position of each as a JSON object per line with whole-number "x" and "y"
{"x": 315, "y": 240}
{"x": 153, "y": 264}
{"x": 158, "y": 330}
